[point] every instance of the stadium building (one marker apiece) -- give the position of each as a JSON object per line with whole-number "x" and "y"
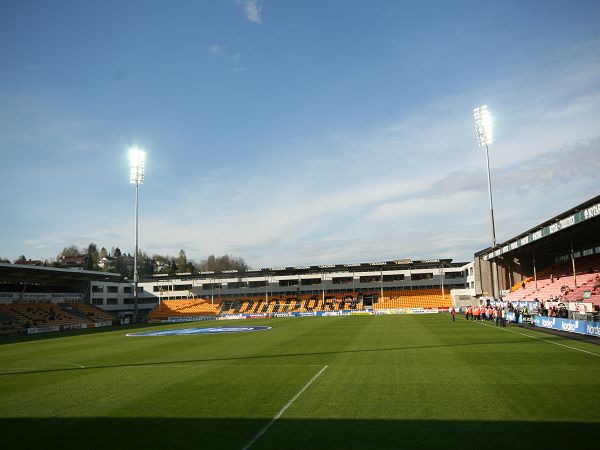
{"x": 556, "y": 261}
{"x": 559, "y": 258}
{"x": 407, "y": 283}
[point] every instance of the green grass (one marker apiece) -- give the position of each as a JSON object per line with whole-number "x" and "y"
{"x": 390, "y": 382}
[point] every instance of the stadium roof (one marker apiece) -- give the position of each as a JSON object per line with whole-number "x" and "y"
{"x": 397, "y": 264}
{"x": 582, "y": 221}
{"x": 20, "y": 272}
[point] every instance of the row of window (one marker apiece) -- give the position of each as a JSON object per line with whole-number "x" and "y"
{"x": 102, "y": 301}
{"x": 319, "y": 292}
{"x": 316, "y": 281}
{"x": 172, "y": 287}
{"x": 127, "y": 301}
{"x": 113, "y": 289}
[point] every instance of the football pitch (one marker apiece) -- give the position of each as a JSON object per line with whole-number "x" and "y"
{"x": 413, "y": 381}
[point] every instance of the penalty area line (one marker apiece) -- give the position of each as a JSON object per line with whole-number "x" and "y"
{"x": 546, "y": 340}
{"x": 282, "y": 410}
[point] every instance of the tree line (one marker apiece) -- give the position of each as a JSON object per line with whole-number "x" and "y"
{"x": 117, "y": 261}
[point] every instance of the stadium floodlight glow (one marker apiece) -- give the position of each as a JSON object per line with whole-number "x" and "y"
{"x": 483, "y": 128}
{"x": 137, "y": 158}
{"x": 483, "y": 125}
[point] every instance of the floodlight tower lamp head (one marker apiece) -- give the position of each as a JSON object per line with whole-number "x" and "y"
{"x": 483, "y": 125}
{"x": 137, "y": 159}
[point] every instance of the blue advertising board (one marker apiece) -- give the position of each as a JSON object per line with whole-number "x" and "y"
{"x": 572, "y": 326}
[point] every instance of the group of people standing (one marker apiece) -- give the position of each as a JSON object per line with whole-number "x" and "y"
{"x": 498, "y": 314}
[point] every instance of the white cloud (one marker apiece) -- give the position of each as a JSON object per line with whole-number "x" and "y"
{"x": 411, "y": 187}
{"x": 252, "y": 11}
{"x": 215, "y": 49}
{"x": 414, "y": 187}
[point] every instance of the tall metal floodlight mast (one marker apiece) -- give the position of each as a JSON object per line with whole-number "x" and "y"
{"x": 483, "y": 127}
{"x": 137, "y": 158}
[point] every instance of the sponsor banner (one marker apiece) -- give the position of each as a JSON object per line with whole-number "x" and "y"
{"x": 423, "y": 311}
{"x": 280, "y": 315}
{"x": 195, "y": 331}
{"x": 572, "y": 326}
{"x": 106, "y": 323}
{"x": 517, "y": 304}
{"x": 360, "y": 313}
{"x": 231, "y": 317}
{"x": 562, "y": 224}
{"x": 592, "y": 328}
{"x": 36, "y": 330}
{"x": 75, "y": 326}
{"x": 187, "y": 319}
{"x": 256, "y": 316}
{"x": 305, "y": 314}
{"x": 329, "y": 313}
{"x": 581, "y": 307}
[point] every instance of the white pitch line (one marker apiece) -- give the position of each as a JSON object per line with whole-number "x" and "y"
{"x": 282, "y": 410}
{"x": 155, "y": 366}
{"x": 546, "y": 340}
{"x": 73, "y": 364}
{"x": 60, "y": 362}
{"x": 179, "y": 366}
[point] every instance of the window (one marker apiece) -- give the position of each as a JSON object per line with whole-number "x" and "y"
{"x": 127, "y": 290}
{"x": 97, "y": 288}
{"x": 293, "y": 282}
{"x": 310, "y": 281}
{"x": 342, "y": 280}
{"x": 451, "y": 275}
{"x": 113, "y": 289}
{"x": 260, "y": 283}
{"x": 97, "y": 301}
{"x": 236, "y": 285}
{"x": 211, "y": 286}
{"x": 370, "y": 279}
{"x": 422, "y": 276}
{"x": 112, "y": 301}
{"x": 398, "y": 277}
{"x": 183, "y": 287}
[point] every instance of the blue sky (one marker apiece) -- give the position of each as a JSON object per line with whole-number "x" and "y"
{"x": 293, "y": 132}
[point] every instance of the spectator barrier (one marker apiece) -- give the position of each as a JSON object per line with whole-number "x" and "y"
{"x": 569, "y": 325}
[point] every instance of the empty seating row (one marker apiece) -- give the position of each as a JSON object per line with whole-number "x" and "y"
{"x": 182, "y": 308}
{"x": 416, "y": 298}
{"x": 41, "y": 315}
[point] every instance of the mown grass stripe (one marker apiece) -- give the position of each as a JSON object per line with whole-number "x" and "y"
{"x": 282, "y": 410}
{"x": 545, "y": 340}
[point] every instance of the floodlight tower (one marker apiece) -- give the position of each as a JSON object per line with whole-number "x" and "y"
{"x": 137, "y": 158}
{"x": 483, "y": 127}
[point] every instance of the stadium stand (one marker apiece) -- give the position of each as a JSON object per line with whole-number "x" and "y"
{"x": 417, "y": 298}
{"x": 42, "y": 315}
{"x": 425, "y": 298}
{"x": 182, "y": 308}
{"x": 8, "y": 323}
{"x": 558, "y": 283}
{"x": 89, "y": 312}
